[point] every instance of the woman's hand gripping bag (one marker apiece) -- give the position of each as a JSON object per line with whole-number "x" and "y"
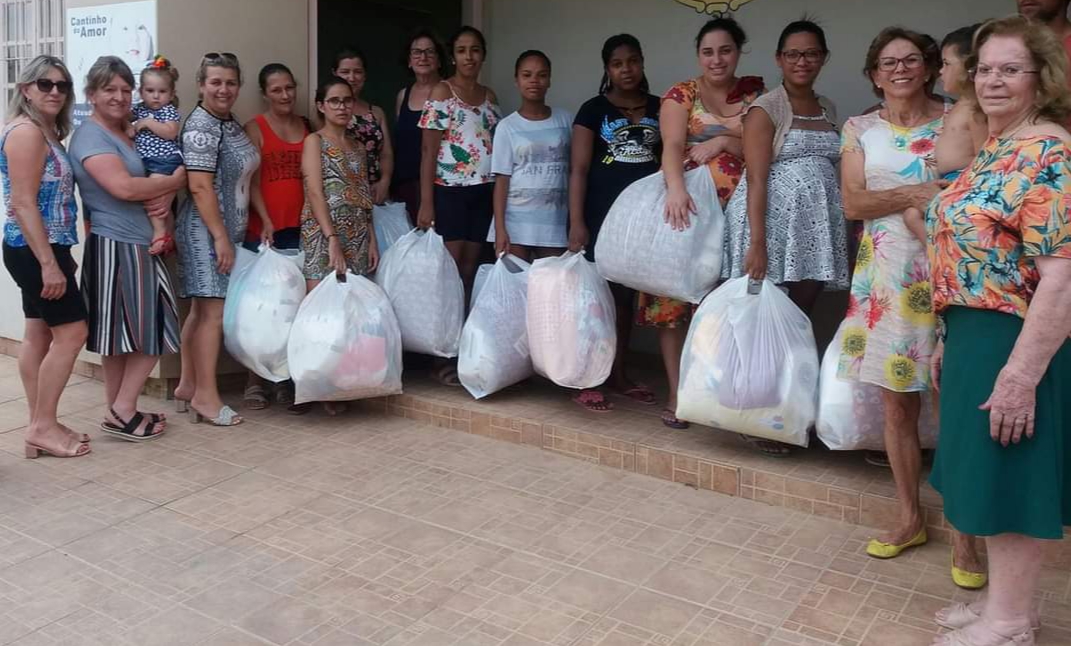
{"x": 263, "y": 297}
{"x": 572, "y": 334}
{"x": 345, "y": 343}
{"x": 851, "y": 414}
{"x": 420, "y": 278}
{"x": 750, "y": 365}
{"x": 494, "y": 342}
{"x": 391, "y": 222}
{"x": 636, "y": 247}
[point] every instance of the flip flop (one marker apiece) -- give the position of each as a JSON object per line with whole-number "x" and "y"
{"x": 593, "y": 401}
{"x": 640, "y": 394}
{"x": 767, "y": 447}
{"x": 669, "y": 418}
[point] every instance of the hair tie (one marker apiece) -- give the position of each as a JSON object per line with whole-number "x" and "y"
{"x": 160, "y": 63}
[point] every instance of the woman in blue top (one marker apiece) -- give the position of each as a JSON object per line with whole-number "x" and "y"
{"x": 40, "y": 229}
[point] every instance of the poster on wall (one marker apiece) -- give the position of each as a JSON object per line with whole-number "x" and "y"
{"x": 123, "y": 29}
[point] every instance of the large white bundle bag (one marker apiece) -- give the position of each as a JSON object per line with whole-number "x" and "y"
{"x": 482, "y": 272}
{"x": 391, "y": 222}
{"x": 851, "y": 414}
{"x": 638, "y": 249}
{"x": 263, "y": 296}
{"x": 345, "y": 343}
{"x": 420, "y": 278}
{"x": 572, "y": 332}
{"x": 750, "y": 365}
{"x": 494, "y": 342}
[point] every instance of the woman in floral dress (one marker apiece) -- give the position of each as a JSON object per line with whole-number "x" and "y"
{"x": 701, "y": 124}
{"x": 887, "y": 166}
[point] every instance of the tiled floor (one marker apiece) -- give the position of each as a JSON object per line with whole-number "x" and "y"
{"x": 373, "y": 529}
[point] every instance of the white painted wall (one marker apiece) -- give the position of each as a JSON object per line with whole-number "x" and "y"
{"x": 571, "y": 32}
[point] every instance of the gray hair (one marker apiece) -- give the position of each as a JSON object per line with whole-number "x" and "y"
{"x": 104, "y": 70}
{"x": 20, "y": 106}
{"x": 226, "y": 60}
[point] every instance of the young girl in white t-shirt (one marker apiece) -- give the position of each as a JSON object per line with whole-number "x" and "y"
{"x": 530, "y": 160}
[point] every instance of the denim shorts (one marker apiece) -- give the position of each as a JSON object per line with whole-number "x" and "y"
{"x": 162, "y": 165}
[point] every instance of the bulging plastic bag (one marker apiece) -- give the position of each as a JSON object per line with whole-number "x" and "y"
{"x": 482, "y": 272}
{"x": 638, "y": 249}
{"x": 420, "y": 278}
{"x": 345, "y": 343}
{"x": 572, "y": 332}
{"x": 750, "y": 365}
{"x": 265, "y": 291}
{"x": 851, "y": 414}
{"x": 391, "y": 222}
{"x": 494, "y": 342}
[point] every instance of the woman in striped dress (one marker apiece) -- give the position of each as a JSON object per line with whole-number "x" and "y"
{"x": 132, "y": 313}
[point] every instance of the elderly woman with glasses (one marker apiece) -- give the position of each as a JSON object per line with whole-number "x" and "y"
{"x": 888, "y": 166}
{"x": 220, "y": 162}
{"x": 1000, "y": 257}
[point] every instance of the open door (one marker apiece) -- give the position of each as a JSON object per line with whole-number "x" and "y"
{"x": 379, "y": 29}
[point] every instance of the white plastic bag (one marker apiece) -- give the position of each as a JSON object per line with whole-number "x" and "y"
{"x": 345, "y": 343}
{"x": 263, "y": 297}
{"x": 636, "y": 247}
{"x": 572, "y": 332}
{"x": 420, "y": 278}
{"x": 482, "y": 272}
{"x": 494, "y": 342}
{"x": 750, "y": 365}
{"x": 391, "y": 222}
{"x": 851, "y": 414}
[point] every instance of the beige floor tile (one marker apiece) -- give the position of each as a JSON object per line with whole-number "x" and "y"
{"x": 588, "y": 591}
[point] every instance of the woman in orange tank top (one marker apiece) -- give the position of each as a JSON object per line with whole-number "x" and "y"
{"x": 277, "y": 196}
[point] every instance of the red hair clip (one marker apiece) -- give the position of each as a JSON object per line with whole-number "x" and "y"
{"x": 160, "y": 63}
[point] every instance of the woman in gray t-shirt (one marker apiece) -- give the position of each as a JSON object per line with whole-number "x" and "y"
{"x": 132, "y": 314}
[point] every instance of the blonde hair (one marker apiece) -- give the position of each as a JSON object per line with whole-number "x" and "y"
{"x": 21, "y": 107}
{"x": 1052, "y": 99}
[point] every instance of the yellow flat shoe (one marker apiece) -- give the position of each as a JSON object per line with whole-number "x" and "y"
{"x": 966, "y": 579}
{"x": 881, "y": 550}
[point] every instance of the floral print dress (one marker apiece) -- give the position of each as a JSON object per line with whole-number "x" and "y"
{"x": 726, "y": 170}
{"x": 366, "y": 131}
{"x": 890, "y": 330}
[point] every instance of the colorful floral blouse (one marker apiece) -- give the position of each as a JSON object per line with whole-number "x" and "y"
{"x": 465, "y": 152}
{"x": 890, "y": 328}
{"x": 726, "y": 169}
{"x": 1009, "y": 207}
{"x": 55, "y": 196}
{"x": 366, "y": 131}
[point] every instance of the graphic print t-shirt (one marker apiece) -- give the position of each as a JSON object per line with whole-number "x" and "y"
{"x": 623, "y": 153}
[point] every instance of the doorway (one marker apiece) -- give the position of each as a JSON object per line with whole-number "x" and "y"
{"x": 379, "y": 29}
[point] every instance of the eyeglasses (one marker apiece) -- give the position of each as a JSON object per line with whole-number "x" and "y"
{"x": 811, "y": 55}
{"x": 336, "y": 102}
{"x": 1010, "y": 72}
{"x": 911, "y": 62}
{"x": 422, "y": 53}
{"x": 216, "y": 56}
{"x": 46, "y": 85}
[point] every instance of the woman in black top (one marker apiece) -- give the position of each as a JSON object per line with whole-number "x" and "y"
{"x": 616, "y": 141}
{"x": 425, "y": 57}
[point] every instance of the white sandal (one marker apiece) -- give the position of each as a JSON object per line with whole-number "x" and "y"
{"x": 959, "y": 638}
{"x": 959, "y": 615}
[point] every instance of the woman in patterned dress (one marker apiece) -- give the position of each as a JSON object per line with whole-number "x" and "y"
{"x": 368, "y": 124}
{"x": 701, "y": 124}
{"x": 336, "y": 223}
{"x": 888, "y": 166}
{"x": 1000, "y": 257}
{"x": 220, "y": 162}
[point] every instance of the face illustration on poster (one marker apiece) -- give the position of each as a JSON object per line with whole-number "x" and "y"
{"x": 126, "y": 30}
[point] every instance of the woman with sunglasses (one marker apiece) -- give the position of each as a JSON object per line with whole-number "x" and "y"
{"x": 368, "y": 124}
{"x": 220, "y": 162}
{"x": 425, "y": 57}
{"x": 336, "y": 222}
{"x": 888, "y": 165}
{"x": 40, "y": 229}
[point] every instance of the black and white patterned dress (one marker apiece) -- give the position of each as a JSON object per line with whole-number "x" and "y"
{"x": 219, "y": 146}
{"x": 806, "y": 237}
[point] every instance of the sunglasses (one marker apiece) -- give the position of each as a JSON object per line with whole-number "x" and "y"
{"x": 216, "y": 56}
{"x": 46, "y": 85}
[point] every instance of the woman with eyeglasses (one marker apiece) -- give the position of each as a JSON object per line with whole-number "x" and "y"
{"x": 220, "y": 163}
{"x": 887, "y": 166}
{"x": 785, "y": 220}
{"x": 40, "y": 229}
{"x": 336, "y": 223}
{"x": 425, "y": 57}
{"x": 368, "y": 123}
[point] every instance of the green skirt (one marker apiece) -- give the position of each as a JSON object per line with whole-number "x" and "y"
{"x": 988, "y": 489}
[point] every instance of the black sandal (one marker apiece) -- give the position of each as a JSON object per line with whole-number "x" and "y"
{"x": 128, "y": 430}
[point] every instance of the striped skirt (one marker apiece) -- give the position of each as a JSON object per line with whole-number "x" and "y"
{"x": 129, "y": 298}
